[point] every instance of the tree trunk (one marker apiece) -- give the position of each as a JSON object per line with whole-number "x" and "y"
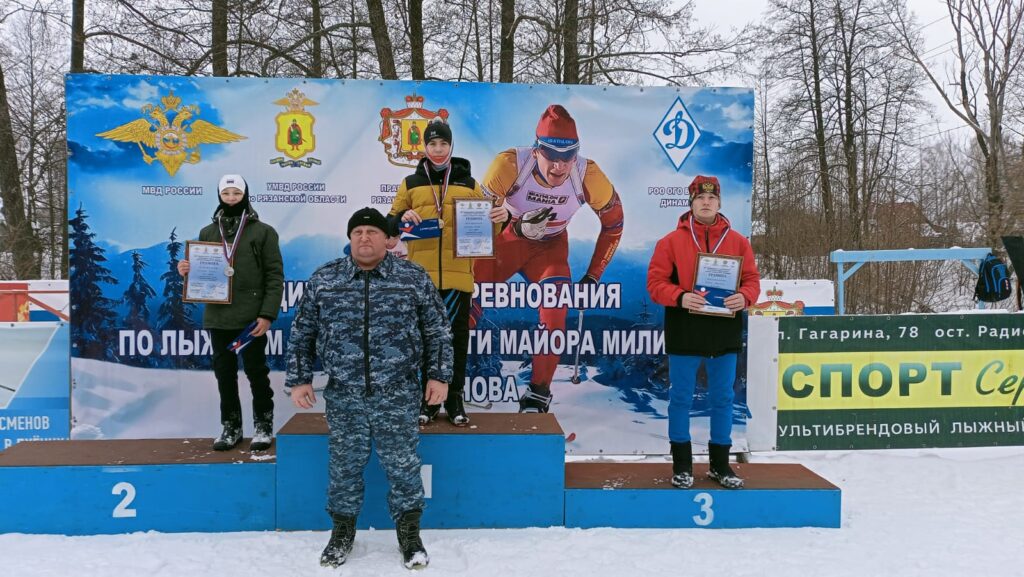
{"x": 381, "y": 40}
{"x": 849, "y": 136}
{"x": 570, "y": 42}
{"x": 77, "y": 36}
{"x": 508, "y": 48}
{"x": 819, "y": 134}
{"x": 316, "y": 69}
{"x": 416, "y": 39}
{"x": 18, "y": 237}
{"x": 219, "y": 38}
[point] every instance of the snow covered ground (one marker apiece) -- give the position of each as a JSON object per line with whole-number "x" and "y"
{"x": 921, "y": 513}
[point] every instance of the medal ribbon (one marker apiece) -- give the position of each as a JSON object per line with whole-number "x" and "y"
{"x": 229, "y": 253}
{"x": 694, "y": 235}
{"x": 438, "y": 201}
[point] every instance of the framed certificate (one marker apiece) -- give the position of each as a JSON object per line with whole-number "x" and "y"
{"x": 209, "y": 276}
{"x": 474, "y": 232}
{"x": 716, "y": 278}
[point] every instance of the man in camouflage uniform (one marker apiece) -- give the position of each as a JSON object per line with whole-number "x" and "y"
{"x": 373, "y": 320}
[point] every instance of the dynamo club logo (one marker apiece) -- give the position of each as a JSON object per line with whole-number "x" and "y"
{"x": 677, "y": 133}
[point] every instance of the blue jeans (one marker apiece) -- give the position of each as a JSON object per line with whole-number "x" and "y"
{"x": 682, "y": 374}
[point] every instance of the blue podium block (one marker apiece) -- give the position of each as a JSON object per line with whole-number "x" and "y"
{"x": 640, "y": 495}
{"x": 504, "y": 471}
{"x": 171, "y": 485}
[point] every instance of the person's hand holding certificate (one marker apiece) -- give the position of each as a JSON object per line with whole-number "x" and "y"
{"x": 716, "y": 279}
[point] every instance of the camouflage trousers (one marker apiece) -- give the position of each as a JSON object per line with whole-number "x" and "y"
{"x": 388, "y": 420}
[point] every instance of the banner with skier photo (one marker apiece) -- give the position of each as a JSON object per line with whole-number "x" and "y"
{"x": 592, "y": 177}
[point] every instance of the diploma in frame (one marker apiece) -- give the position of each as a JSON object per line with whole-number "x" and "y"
{"x": 717, "y": 277}
{"x": 207, "y": 280}
{"x": 474, "y": 232}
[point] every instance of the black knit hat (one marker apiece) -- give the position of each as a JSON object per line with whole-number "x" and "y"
{"x": 368, "y": 216}
{"x": 437, "y": 128}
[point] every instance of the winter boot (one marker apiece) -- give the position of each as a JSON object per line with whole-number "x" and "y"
{"x": 231, "y": 434}
{"x": 719, "y": 469}
{"x": 682, "y": 465}
{"x": 428, "y": 412}
{"x": 340, "y": 546}
{"x": 536, "y": 400}
{"x": 264, "y": 435}
{"x": 456, "y": 410}
{"x": 414, "y": 555}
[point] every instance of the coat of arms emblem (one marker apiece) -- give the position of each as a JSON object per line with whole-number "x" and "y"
{"x": 401, "y": 131}
{"x": 294, "y": 137}
{"x": 172, "y": 132}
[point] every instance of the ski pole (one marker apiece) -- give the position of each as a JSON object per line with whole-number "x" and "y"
{"x": 576, "y": 364}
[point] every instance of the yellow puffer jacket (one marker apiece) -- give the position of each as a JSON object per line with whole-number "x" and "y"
{"x": 437, "y": 255}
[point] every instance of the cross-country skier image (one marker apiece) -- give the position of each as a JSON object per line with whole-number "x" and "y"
{"x": 543, "y": 186}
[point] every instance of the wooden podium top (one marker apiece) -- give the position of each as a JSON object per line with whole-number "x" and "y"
{"x": 112, "y": 453}
{"x": 480, "y": 424}
{"x": 659, "y": 475}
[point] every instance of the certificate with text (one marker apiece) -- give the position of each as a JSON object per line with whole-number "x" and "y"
{"x": 474, "y": 232}
{"x": 717, "y": 277}
{"x": 209, "y": 276}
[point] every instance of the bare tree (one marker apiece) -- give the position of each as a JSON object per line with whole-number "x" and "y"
{"x": 507, "y": 48}
{"x": 77, "y": 36}
{"x": 381, "y": 40}
{"x": 16, "y": 235}
{"x": 987, "y": 58}
{"x": 219, "y": 38}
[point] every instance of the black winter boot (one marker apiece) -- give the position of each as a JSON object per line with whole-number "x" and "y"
{"x": 455, "y": 409}
{"x": 428, "y": 412}
{"x": 682, "y": 465}
{"x": 414, "y": 555}
{"x": 720, "y": 470}
{"x": 231, "y": 434}
{"x": 340, "y": 546}
{"x": 536, "y": 400}
{"x": 264, "y": 435}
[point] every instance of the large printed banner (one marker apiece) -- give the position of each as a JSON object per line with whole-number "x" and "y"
{"x": 147, "y": 153}
{"x": 34, "y": 385}
{"x": 900, "y": 381}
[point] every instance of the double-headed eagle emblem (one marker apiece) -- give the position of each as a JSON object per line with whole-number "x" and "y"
{"x": 177, "y": 140}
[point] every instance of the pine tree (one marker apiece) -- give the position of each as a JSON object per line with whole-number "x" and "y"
{"x": 92, "y": 314}
{"x": 174, "y": 314}
{"x": 136, "y": 296}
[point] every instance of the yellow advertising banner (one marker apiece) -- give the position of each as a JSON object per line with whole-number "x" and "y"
{"x": 900, "y": 380}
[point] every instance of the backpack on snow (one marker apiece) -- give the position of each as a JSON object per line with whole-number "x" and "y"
{"x": 993, "y": 280}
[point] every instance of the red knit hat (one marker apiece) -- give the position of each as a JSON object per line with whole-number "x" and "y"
{"x": 557, "y": 130}
{"x": 705, "y": 184}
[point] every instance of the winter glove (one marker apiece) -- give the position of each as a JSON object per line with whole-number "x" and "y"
{"x": 534, "y": 224}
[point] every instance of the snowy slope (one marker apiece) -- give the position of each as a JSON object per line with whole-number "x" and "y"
{"x": 924, "y": 513}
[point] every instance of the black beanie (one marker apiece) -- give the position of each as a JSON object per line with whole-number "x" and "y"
{"x": 437, "y": 129}
{"x": 368, "y": 216}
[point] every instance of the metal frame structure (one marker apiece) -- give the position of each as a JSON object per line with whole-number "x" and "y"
{"x": 969, "y": 257}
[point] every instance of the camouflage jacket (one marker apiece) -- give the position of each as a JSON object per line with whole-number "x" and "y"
{"x": 372, "y": 329}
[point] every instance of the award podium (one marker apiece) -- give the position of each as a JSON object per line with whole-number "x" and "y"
{"x": 505, "y": 470}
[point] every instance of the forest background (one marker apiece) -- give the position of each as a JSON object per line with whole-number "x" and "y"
{"x": 847, "y": 151}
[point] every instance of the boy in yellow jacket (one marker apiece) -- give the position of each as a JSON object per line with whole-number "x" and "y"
{"x": 426, "y": 199}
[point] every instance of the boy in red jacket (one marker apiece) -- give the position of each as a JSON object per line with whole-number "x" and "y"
{"x": 694, "y": 338}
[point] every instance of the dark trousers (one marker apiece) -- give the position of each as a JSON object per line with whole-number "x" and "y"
{"x": 457, "y": 304}
{"x": 225, "y": 367}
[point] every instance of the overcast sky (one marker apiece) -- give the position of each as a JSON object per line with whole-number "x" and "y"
{"x": 932, "y": 14}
